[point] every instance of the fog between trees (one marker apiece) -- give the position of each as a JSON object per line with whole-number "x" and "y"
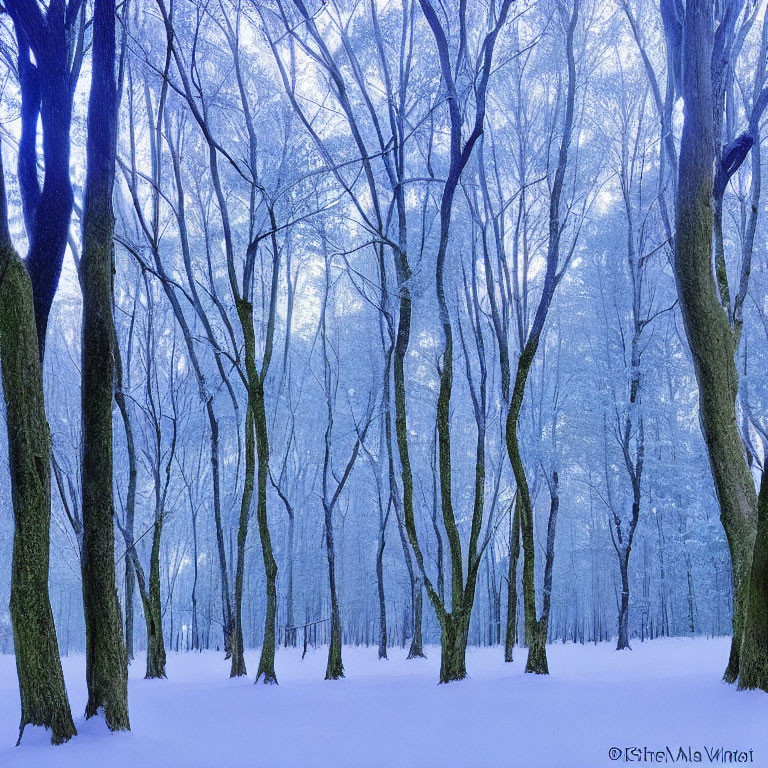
{"x": 379, "y": 323}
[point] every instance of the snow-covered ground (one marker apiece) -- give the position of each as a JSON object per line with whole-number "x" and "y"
{"x": 666, "y": 693}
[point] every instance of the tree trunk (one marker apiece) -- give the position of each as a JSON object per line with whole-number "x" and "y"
{"x": 335, "y": 667}
{"x": 537, "y": 655}
{"x": 130, "y": 499}
{"x": 380, "y": 589}
{"x": 453, "y": 645}
{"x": 536, "y": 638}
{"x": 245, "y": 314}
{"x": 41, "y": 681}
{"x": 623, "y": 639}
{"x": 106, "y": 662}
{"x": 416, "y": 650}
{"x": 709, "y": 334}
{"x": 549, "y": 556}
{"x": 289, "y": 620}
{"x": 753, "y": 669}
{"x": 153, "y": 610}
{"x": 267, "y": 660}
{"x": 195, "y": 623}
{"x": 514, "y": 555}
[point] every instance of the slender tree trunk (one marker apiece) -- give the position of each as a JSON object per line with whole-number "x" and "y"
{"x": 335, "y": 667}
{"x": 267, "y": 659}
{"x": 290, "y": 639}
{"x": 130, "y": 500}
{"x": 154, "y": 609}
{"x": 195, "y": 622}
{"x": 106, "y": 662}
{"x": 514, "y": 555}
{"x": 549, "y": 555}
{"x": 380, "y": 589}
{"x": 129, "y": 578}
{"x": 245, "y": 314}
{"x": 623, "y": 639}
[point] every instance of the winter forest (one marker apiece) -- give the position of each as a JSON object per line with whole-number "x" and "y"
{"x": 389, "y": 343}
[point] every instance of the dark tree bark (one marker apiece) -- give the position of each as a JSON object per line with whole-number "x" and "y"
{"x": 106, "y": 662}
{"x": 41, "y": 681}
{"x": 514, "y": 556}
{"x": 150, "y": 601}
{"x": 49, "y": 67}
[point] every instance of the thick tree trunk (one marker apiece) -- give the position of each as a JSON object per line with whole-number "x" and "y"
{"x": 753, "y": 668}
{"x": 453, "y": 648}
{"x": 41, "y": 681}
{"x": 709, "y": 334}
{"x": 536, "y": 638}
{"x": 106, "y": 662}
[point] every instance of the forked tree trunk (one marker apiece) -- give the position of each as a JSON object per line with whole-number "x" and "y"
{"x": 41, "y": 681}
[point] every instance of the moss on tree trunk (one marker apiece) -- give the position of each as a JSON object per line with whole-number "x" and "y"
{"x": 41, "y": 681}
{"x": 153, "y": 609}
{"x": 453, "y": 648}
{"x": 753, "y": 669}
{"x": 710, "y": 336}
{"x": 266, "y": 670}
{"x": 106, "y": 662}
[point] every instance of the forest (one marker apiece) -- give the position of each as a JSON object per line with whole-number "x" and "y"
{"x": 397, "y": 342}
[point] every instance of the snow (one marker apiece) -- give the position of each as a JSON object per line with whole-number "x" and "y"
{"x": 664, "y": 693}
